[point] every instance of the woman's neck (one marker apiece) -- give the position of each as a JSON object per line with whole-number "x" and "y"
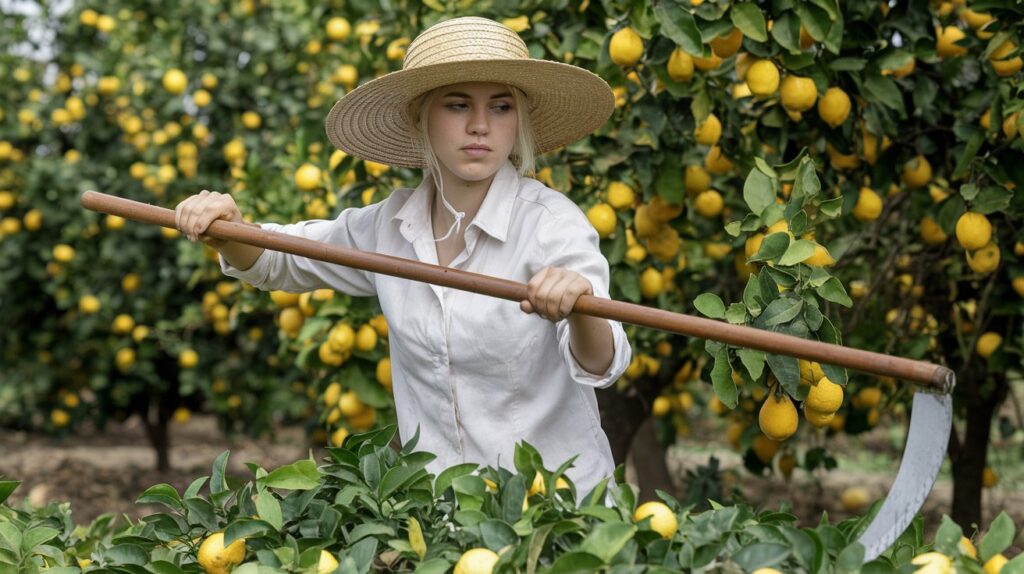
{"x": 463, "y": 196}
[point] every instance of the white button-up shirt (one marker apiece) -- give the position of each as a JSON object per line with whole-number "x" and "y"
{"x": 475, "y": 373}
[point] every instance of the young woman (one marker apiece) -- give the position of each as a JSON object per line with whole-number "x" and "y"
{"x": 474, "y": 374}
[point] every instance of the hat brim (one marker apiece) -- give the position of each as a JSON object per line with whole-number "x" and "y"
{"x": 371, "y": 122}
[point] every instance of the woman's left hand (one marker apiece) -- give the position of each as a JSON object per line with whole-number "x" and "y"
{"x": 553, "y": 291}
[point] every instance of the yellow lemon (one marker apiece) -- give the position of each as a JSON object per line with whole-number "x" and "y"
{"x": 652, "y": 283}
{"x": 680, "y": 66}
{"x": 824, "y": 397}
{"x": 988, "y": 343}
{"x": 383, "y": 372}
{"x": 708, "y": 132}
{"x": 931, "y": 233}
{"x": 715, "y": 162}
{"x": 366, "y": 338}
{"x": 188, "y": 359}
{"x": 868, "y": 206}
{"x": 975, "y": 20}
{"x": 620, "y": 196}
{"x": 290, "y": 320}
{"x": 818, "y": 419}
{"x": 763, "y": 78}
{"x": 476, "y": 561}
{"x": 251, "y": 120}
{"x": 645, "y": 225}
{"x": 707, "y": 64}
{"x": 342, "y": 337}
{"x": 834, "y": 107}
{"x": 215, "y": 558}
{"x": 945, "y": 42}
{"x": 765, "y": 448}
{"x": 933, "y": 563}
{"x": 1010, "y": 125}
{"x": 973, "y": 230}
{"x": 727, "y": 45}
{"x": 967, "y": 547}
{"x": 989, "y": 478}
{"x": 821, "y": 257}
{"x": 984, "y": 260}
{"x": 284, "y": 299}
{"x": 917, "y": 172}
{"x": 855, "y": 498}
{"x": 328, "y": 563}
{"x": 338, "y": 29}
{"x": 1018, "y": 285}
{"x": 709, "y": 203}
{"x": 697, "y": 179}
{"x": 661, "y": 407}
{"x": 778, "y": 418}
{"x": 626, "y": 47}
{"x": 123, "y": 324}
{"x": 59, "y": 417}
{"x": 307, "y": 177}
{"x": 331, "y": 394}
{"x": 1003, "y": 65}
{"x": 337, "y": 438}
{"x": 350, "y": 405}
{"x": 175, "y": 81}
{"x": 89, "y": 304}
{"x": 798, "y": 94}
{"x": 63, "y": 253}
{"x": 602, "y": 217}
{"x": 994, "y": 565}
{"x": 663, "y": 520}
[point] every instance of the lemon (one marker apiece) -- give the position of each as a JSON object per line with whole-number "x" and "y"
{"x": 662, "y": 211}
{"x": 708, "y": 132}
{"x": 284, "y": 299}
{"x": 716, "y": 162}
{"x": 995, "y": 564}
{"x": 727, "y": 45}
{"x": 602, "y": 217}
{"x": 59, "y": 417}
{"x": 989, "y": 478}
{"x": 201, "y": 98}
{"x": 645, "y": 225}
{"x": 834, "y": 107}
{"x": 379, "y": 324}
{"x": 765, "y": 448}
{"x": 337, "y": 438}
{"x": 626, "y": 47}
{"x": 651, "y": 283}
{"x": 945, "y": 42}
{"x": 697, "y": 179}
{"x": 707, "y": 64}
{"x": 636, "y": 253}
{"x": 855, "y": 498}
{"x": 973, "y": 230}
{"x": 338, "y": 29}
{"x": 984, "y": 260}
{"x": 188, "y": 359}
{"x": 215, "y": 558}
{"x": 123, "y": 324}
{"x": 917, "y": 172}
{"x": 931, "y": 233}
{"x": 476, "y": 561}
{"x": 620, "y": 196}
{"x": 342, "y": 337}
{"x": 1001, "y": 64}
{"x": 383, "y": 372}
{"x": 331, "y": 394}
{"x": 234, "y": 151}
{"x": 290, "y": 320}
{"x": 1010, "y": 125}
{"x": 89, "y": 304}
{"x": 307, "y": 177}
{"x": 251, "y": 120}
{"x": 988, "y": 343}
{"x": 88, "y": 17}
{"x": 518, "y": 24}
{"x": 933, "y": 563}
{"x": 329, "y": 356}
{"x": 709, "y": 203}
{"x": 366, "y": 338}
{"x": 661, "y": 407}
{"x": 967, "y": 547}
{"x": 763, "y": 78}
{"x": 350, "y": 405}
{"x": 175, "y": 81}
{"x": 375, "y": 169}
{"x": 124, "y": 359}
{"x": 1018, "y": 285}
{"x": 777, "y": 417}
{"x": 327, "y": 564}
{"x": 182, "y": 415}
{"x": 818, "y": 419}
{"x": 680, "y": 66}
{"x": 768, "y": 570}
{"x": 663, "y": 520}
{"x": 974, "y": 19}
{"x": 824, "y": 397}
{"x": 798, "y": 94}
{"x": 821, "y": 257}
{"x": 869, "y": 205}
{"x": 63, "y": 253}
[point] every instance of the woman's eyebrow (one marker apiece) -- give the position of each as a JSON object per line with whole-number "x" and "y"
{"x": 462, "y": 95}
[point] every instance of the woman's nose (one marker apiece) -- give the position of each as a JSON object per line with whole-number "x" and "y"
{"x": 478, "y": 121}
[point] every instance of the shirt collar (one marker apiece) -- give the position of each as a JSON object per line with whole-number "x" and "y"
{"x": 494, "y": 216}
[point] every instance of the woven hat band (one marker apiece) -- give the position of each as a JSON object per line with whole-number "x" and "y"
{"x": 442, "y": 44}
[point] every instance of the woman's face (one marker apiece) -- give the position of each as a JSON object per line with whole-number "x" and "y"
{"x": 472, "y": 114}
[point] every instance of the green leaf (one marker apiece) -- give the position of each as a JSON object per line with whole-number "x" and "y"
{"x": 397, "y": 477}
{"x": 848, "y": 64}
{"x": 992, "y": 199}
{"x": 760, "y": 555}
{"x": 752, "y": 296}
{"x": 764, "y": 167}
{"x": 201, "y": 511}
{"x": 218, "y": 482}
{"x": 750, "y": 20}
{"x": 753, "y": 360}
{"x": 721, "y": 376}
{"x": 883, "y": 90}
{"x": 161, "y": 494}
{"x": 787, "y": 370}
{"x": 669, "y": 185}
{"x": 736, "y": 313}
{"x": 6, "y": 488}
{"x": 970, "y": 150}
{"x": 831, "y": 208}
{"x": 786, "y": 31}
{"x": 948, "y": 536}
{"x": 628, "y": 283}
{"x": 815, "y": 20}
{"x": 781, "y": 310}
{"x": 124, "y": 554}
{"x": 772, "y": 247}
{"x": 497, "y": 534}
{"x": 269, "y": 509}
{"x": 433, "y": 566}
{"x": 607, "y": 539}
{"x": 851, "y": 559}
{"x": 797, "y": 252}
{"x": 833, "y": 290}
{"x": 998, "y": 538}
{"x": 245, "y": 528}
{"x": 35, "y": 536}
{"x": 757, "y": 191}
{"x": 733, "y": 228}
{"x": 301, "y": 475}
{"x": 576, "y": 561}
{"x": 469, "y": 491}
{"x": 680, "y": 27}
{"x": 370, "y": 529}
{"x": 444, "y": 480}
{"x": 710, "y": 305}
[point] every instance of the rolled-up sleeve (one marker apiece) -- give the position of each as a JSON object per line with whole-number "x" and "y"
{"x": 278, "y": 271}
{"x": 570, "y": 242}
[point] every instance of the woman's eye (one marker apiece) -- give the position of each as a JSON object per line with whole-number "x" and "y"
{"x": 456, "y": 106}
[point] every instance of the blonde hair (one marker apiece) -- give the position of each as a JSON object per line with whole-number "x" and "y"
{"x": 523, "y": 154}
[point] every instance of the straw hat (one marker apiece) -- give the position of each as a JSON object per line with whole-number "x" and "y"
{"x": 372, "y": 121}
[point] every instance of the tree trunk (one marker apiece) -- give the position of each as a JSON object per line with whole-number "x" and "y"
{"x": 972, "y": 455}
{"x": 159, "y": 438}
{"x": 648, "y": 458}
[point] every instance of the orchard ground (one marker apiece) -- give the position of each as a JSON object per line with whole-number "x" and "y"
{"x": 101, "y": 472}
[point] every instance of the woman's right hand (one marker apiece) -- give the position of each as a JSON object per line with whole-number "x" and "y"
{"x": 195, "y": 214}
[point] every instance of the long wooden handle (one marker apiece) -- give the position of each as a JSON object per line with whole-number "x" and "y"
{"x": 858, "y": 359}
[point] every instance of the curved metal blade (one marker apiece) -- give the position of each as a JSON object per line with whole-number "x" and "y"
{"x": 930, "y": 424}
